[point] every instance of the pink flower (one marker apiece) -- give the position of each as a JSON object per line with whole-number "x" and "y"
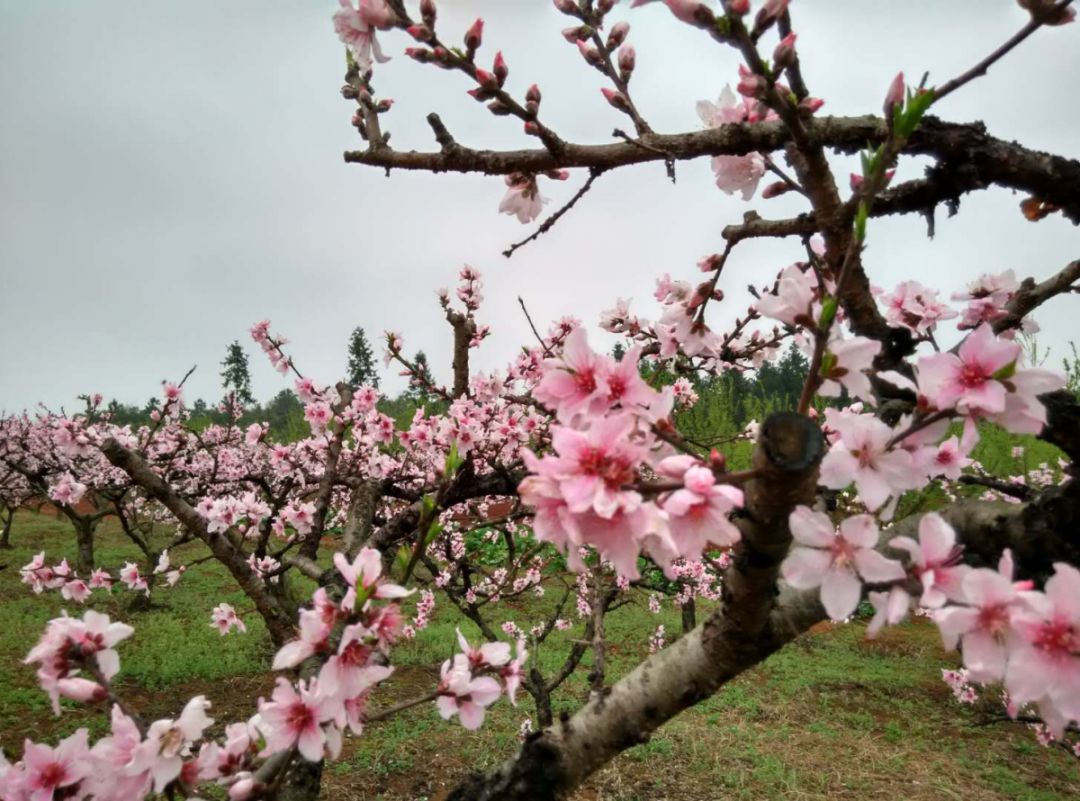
{"x": 1045, "y": 667}
{"x": 970, "y": 380}
{"x": 889, "y": 608}
{"x": 936, "y": 560}
{"x": 575, "y": 383}
{"x": 522, "y": 199}
{"x": 224, "y": 618}
{"x": 985, "y": 625}
{"x": 294, "y": 718}
{"x": 314, "y": 632}
{"x": 48, "y": 771}
{"x": 794, "y": 298}
{"x": 594, "y": 466}
{"x": 514, "y": 671}
{"x": 363, "y": 573}
{"x": 168, "y": 742}
{"x": 351, "y": 671}
{"x": 836, "y": 559}
{"x": 740, "y": 174}
{"x": 847, "y": 361}
{"x": 859, "y": 455}
{"x": 698, "y": 513}
{"x": 355, "y": 28}
{"x": 462, "y": 694}
{"x": 490, "y": 654}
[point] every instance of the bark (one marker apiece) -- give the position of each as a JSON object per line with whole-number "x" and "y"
{"x": 5, "y": 532}
{"x": 84, "y": 537}
{"x": 972, "y": 158}
{"x": 749, "y": 625}
{"x": 689, "y": 616}
{"x": 279, "y": 623}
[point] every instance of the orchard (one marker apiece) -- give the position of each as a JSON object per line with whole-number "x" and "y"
{"x": 541, "y": 501}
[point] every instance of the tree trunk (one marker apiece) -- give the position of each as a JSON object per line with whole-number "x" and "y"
{"x": 5, "y": 532}
{"x": 689, "y": 616}
{"x": 84, "y": 535}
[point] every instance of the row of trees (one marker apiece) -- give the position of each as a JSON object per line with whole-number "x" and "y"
{"x": 567, "y": 471}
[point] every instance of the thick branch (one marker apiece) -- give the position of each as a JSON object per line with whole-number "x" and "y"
{"x": 986, "y": 160}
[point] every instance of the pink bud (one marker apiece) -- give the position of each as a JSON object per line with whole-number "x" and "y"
{"x": 738, "y": 7}
{"x": 421, "y": 33}
{"x": 784, "y": 54}
{"x": 769, "y": 13}
{"x": 532, "y": 128}
{"x": 487, "y": 80}
{"x": 500, "y": 69}
{"x": 627, "y": 60}
{"x": 475, "y": 35}
{"x": 618, "y": 34}
{"x": 775, "y": 189}
{"x": 616, "y": 99}
{"x": 566, "y": 6}
{"x": 809, "y": 105}
{"x": 895, "y": 95}
{"x": 427, "y": 11}
{"x": 750, "y": 84}
{"x": 384, "y": 104}
{"x": 533, "y": 94}
{"x": 710, "y": 263}
{"x": 604, "y": 6}
{"x": 590, "y": 54}
{"x": 421, "y": 54}
{"x": 576, "y": 34}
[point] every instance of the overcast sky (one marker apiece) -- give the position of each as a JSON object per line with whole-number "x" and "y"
{"x": 171, "y": 172}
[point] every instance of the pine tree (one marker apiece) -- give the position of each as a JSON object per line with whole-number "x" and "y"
{"x": 361, "y": 368}
{"x": 236, "y": 377}
{"x": 418, "y": 388}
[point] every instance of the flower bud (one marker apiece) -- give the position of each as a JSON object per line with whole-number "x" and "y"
{"x": 618, "y": 34}
{"x": 500, "y": 69}
{"x": 738, "y": 8}
{"x": 616, "y": 99}
{"x": 384, "y": 104}
{"x": 566, "y": 6}
{"x": 487, "y": 80}
{"x": 717, "y": 461}
{"x": 577, "y": 33}
{"x": 498, "y": 108}
{"x": 475, "y": 35}
{"x": 427, "y": 12}
{"x": 710, "y": 263}
{"x": 532, "y": 128}
{"x": 895, "y": 96}
{"x": 604, "y": 6}
{"x": 421, "y": 33}
{"x": 421, "y": 54}
{"x": 589, "y": 53}
{"x": 768, "y": 14}
{"x": 784, "y": 54}
{"x": 348, "y": 91}
{"x": 775, "y": 189}
{"x": 532, "y": 95}
{"x": 627, "y": 60}
{"x": 751, "y": 84}
{"x": 808, "y": 105}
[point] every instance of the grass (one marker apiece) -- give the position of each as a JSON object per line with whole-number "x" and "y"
{"x": 832, "y": 716}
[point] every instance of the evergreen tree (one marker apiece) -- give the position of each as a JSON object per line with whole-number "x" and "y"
{"x": 418, "y": 389}
{"x": 236, "y": 377}
{"x": 361, "y": 368}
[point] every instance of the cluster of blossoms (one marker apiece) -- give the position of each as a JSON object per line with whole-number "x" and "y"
{"x": 40, "y": 576}
{"x": 351, "y": 639}
{"x": 589, "y": 491}
{"x": 1008, "y": 631}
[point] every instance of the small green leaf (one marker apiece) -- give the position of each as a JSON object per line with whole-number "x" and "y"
{"x": 828, "y": 311}
{"x": 861, "y": 216}
{"x": 1006, "y": 372}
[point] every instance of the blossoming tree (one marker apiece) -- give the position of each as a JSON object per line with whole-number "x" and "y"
{"x": 572, "y": 460}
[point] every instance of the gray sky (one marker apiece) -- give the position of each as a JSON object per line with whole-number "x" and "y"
{"x": 171, "y": 172}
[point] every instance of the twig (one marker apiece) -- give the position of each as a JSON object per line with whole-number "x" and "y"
{"x": 546, "y": 226}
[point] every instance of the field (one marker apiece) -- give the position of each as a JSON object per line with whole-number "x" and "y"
{"x": 832, "y": 716}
